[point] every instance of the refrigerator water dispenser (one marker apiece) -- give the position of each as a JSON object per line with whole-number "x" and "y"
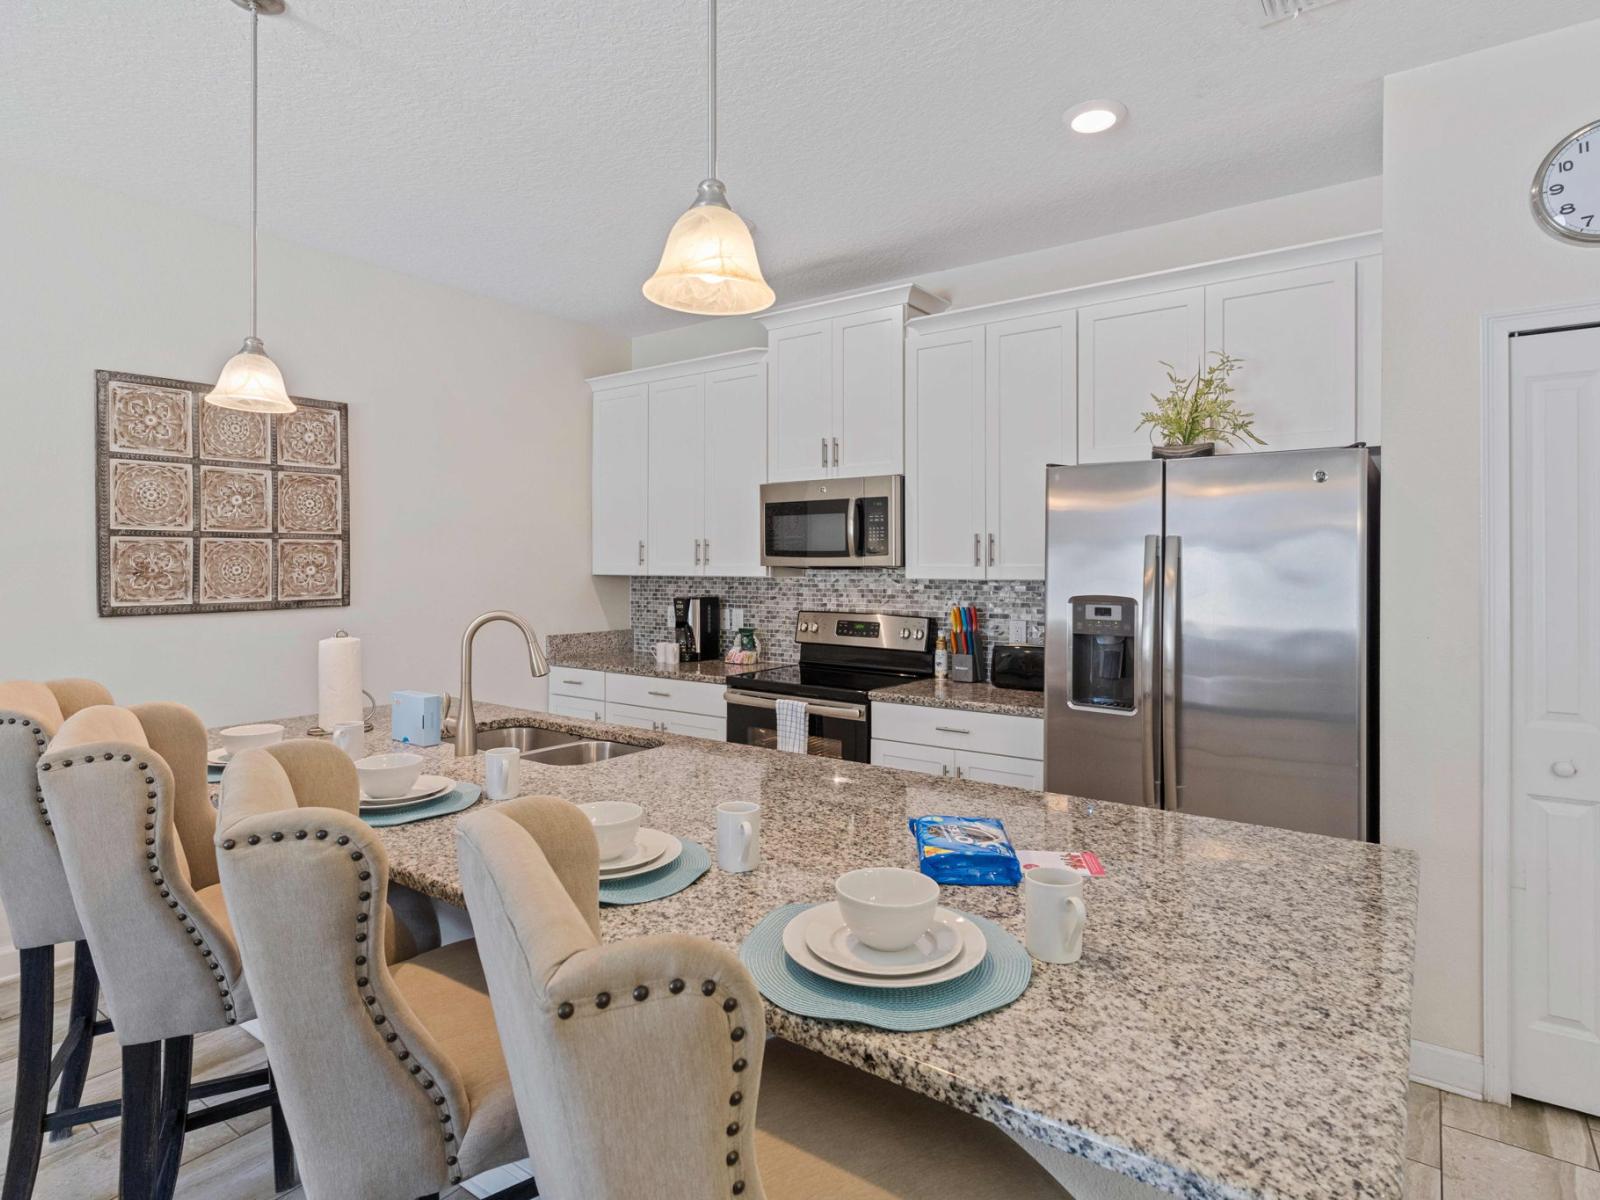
{"x": 1103, "y": 652}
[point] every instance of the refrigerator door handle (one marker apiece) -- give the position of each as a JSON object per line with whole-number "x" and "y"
{"x": 1145, "y": 669}
{"x": 1171, "y": 580}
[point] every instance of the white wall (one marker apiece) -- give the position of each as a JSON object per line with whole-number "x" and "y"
{"x": 1461, "y": 142}
{"x": 1329, "y": 212}
{"x": 469, "y": 448}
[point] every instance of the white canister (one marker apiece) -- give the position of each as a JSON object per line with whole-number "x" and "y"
{"x": 502, "y": 772}
{"x": 1056, "y": 914}
{"x": 738, "y": 835}
{"x": 351, "y": 737}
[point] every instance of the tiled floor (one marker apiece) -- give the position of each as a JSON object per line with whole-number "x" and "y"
{"x": 1457, "y": 1149}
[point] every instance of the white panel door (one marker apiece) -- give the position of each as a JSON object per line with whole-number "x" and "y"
{"x": 677, "y": 476}
{"x": 736, "y": 467}
{"x": 800, "y": 401}
{"x": 1555, "y": 753}
{"x": 1001, "y": 769}
{"x": 633, "y": 716}
{"x": 945, "y": 456}
{"x": 1295, "y": 332}
{"x": 618, "y": 484}
{"x": 925, "y": 760}
{"x": 1121, "y": 348}
{"x": 869, "y": 395}
{"x": 571, "y": 706}
{"x": 1031, "y": 415}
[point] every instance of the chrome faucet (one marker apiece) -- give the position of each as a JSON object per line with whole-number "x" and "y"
{"x": 466, "y": 721}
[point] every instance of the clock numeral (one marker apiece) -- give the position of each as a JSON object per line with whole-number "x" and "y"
{"x": 1587, "y": 221}
{"x": 1583, "y": 147}
{"x": 1564, "y": 165}
{"x": 1566, "y": 210}
{"x": 1555, "y": 189}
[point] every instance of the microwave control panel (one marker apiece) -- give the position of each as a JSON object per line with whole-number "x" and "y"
{"x": 875, "y": 526}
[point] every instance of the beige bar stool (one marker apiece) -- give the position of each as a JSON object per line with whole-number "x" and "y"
{"x": 39, "y": 909}
{"x": 637, "y": 1064}
{"x": 390, "y": 1068}
{"x": 125, "y": 790}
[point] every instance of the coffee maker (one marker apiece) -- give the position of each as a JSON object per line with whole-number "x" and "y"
{"x": 697, "y": 627}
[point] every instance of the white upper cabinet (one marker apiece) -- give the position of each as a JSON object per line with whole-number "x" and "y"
{"x": 1295, "y": 332}
{"x": 945, "y": 519}
{"x": 1030, "y": 419}
{"x": 1121, "y": 346}
{"x": 617, "y": 480}
{"x": 736, "y": 467}
{"x": 836, "y": 404}
{"x": 677, "y": 476}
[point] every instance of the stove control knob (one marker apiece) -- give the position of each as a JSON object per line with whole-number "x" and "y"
{"x": 921, "y": 634}
{"x": 812, "y": 627}
{"x": 905, "y": 633}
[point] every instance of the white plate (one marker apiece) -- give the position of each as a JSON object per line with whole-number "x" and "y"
{"x": 973, "y": 948}
{"x": 218, "y": 757}
{"x": 647, "y": 847}
{"x": 830, "y": 939}
{"x": 657, "y": 849}
{"x": 425, "y": 788}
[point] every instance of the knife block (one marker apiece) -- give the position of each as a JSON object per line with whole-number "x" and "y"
{"x": 968, "y": 668}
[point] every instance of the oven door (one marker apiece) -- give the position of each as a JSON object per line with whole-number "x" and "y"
{"x": 833, "y": 523}
{"x": 834, "y": 729}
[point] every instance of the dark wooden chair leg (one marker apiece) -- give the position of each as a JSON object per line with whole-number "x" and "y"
{"x": 141, "y": 1114}
{"x": 176, "y": 1067}
{"x": 32, "y": 1097}
{"x": 285, "y": 1172}
{"x": 81, "y": 1017}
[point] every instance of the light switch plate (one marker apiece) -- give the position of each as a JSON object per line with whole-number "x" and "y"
{"x": 1016, "y": 630}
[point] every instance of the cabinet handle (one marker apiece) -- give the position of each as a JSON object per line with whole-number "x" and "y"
{"x": 958, "y": 772}
{"x": 697, "y": 552}
{"x": 659, "y": 693}
{"x": 991, "y": 549}
{"x": 572, "y": 681}
{"x": 836, "y": 452}
{"x": 951, "y": 729}
{"x": 641, "y": 552}
{"x": 1565, "y": 769}
{"x": 824, "y": 451}
{"x": 977, "y": 550}
{"x": 945, "y": 767}
{"x": 708, "y": 552}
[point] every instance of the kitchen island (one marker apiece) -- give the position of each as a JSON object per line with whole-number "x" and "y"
{"x": 1238, "y": 1026}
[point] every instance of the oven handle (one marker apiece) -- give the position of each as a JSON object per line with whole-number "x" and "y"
{"x": 852, "y": 712}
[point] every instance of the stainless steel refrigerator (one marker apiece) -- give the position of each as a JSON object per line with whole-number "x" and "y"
{"x": 1211, "y": 637}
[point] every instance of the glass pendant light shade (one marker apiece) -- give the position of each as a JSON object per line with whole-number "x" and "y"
{"x": 709, "y": 266}
{"x": 251, "y": 382}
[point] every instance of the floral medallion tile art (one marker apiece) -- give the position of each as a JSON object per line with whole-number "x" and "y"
{"x": 235, "y": 500}
{"x": 203, "y": 509}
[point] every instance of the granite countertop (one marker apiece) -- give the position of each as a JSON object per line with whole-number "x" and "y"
{"x": 626, "y": 662}
{"x": 1238, "y": 1026}
{"x": 971, "y": 697}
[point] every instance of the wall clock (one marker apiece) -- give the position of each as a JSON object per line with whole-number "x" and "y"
{"x": 1566, "y": 188}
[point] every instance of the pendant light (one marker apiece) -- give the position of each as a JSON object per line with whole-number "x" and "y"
{"x": 250, "y": 381}
{"x": 709, "y": 265}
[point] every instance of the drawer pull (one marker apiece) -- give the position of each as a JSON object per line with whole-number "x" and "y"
{"x": 951, "y": 729}
{"x": 574, "y": 682}
{"x": 661, "y": 694}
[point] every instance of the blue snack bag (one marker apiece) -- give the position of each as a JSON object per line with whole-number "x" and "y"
{"x": 965, "y": 851}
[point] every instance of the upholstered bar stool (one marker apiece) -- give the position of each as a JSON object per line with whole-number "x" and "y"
{"x": 125, "y": 790}
{"x": 39, "y": 909}
{"x": 637, "y": 1064}
{"x": 390, "y": 1069}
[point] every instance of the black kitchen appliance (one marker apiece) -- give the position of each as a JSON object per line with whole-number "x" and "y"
{"x": 1019, "y": 667}
{"x": 844, "y": 658}
{"x": 697, "y": 627}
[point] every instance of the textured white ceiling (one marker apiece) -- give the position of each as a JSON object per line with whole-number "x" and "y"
{"x": 538, "y": 151}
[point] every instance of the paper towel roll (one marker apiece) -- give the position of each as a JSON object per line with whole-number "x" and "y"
{"x": 338, "y": 681}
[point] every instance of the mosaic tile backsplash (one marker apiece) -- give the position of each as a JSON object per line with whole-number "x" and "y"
{"x": 770, "y": 604}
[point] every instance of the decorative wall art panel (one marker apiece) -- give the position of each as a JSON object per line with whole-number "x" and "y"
{"x": 203, "y": 509}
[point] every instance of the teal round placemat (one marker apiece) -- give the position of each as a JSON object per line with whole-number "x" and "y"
{"x": 462, "y": 796}
{"x": 658, "y": 885}
{"x": 999, "y": 979}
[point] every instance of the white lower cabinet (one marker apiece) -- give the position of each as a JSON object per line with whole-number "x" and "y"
{"x": 573, "y": 706}
{"x": 928, "y": 760}
{"x": 987, "y": 747}
{"x": 1000, "y": 768}
{"x": 634, "y": 716}
{"x": 665, "y": 721}
{"x": 641, "y": 702}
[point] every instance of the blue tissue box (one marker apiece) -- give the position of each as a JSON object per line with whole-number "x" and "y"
{"x": 418, "y": 718}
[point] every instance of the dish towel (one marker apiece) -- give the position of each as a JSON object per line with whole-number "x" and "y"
{"x": 792, "y": 725}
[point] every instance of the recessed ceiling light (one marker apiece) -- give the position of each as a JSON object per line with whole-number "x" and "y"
{"x": 1095, "y": 116}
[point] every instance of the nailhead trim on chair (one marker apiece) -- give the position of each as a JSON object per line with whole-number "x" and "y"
{"x": 736, "y": 1034}
{"x": 158, "y": 880}
{"x": 363, "y": 982}
{"x": 38, "y": 787}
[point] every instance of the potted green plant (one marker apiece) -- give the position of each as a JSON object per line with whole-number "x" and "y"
{"x": 1198, "y": 412}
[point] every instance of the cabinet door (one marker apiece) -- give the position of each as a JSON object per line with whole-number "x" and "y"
{"x": 695, "y": 725}
{"x": 869, "y": 395}
{"x": 619, "y": 458}
{"x": 677, "y": 475}
{"x": 736, "y": 467}
{"x": 944, "y": 441}
{"x": 571, "y": 706}
{"x": 1001, "y": 769}
{"x": 1121, "y": 348}
{"x": 928, "y": 760}
{"x": 633, "y": 717}
{"x": 799, "y": 402}
{"x": 1296, "y": 334}
{"x": 1032, "y": 423}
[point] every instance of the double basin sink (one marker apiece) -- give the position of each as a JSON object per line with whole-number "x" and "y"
{"x": 553, "y": 748}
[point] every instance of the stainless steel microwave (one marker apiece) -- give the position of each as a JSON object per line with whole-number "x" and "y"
{"x": 834, "y": 522}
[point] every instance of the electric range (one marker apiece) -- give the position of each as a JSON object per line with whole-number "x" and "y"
{"x": 844, "y": 658}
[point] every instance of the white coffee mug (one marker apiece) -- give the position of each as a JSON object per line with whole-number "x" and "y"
{"x": 502, "y": 772}
{"x": 1056, "y": 914}
{"x": 738, "y": 835}
{"x": 351, "y": 737}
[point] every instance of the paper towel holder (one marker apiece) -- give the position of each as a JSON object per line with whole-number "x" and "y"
{"x": 366, "y": 717}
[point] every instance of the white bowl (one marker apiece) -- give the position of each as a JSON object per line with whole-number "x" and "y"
{"x": 616, "y": 825}
{"x": 384, "y": 776}
{"x": 888, "y": 908}
{"x": 238, "y": 738}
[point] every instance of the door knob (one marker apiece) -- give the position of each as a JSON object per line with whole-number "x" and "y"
{"x": 1565, "y": 769}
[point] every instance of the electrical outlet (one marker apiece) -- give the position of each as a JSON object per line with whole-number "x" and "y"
{"x": 672, "y": 616}
{"x": 1016, "y": 630}
{"x": 736, "y": 617}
